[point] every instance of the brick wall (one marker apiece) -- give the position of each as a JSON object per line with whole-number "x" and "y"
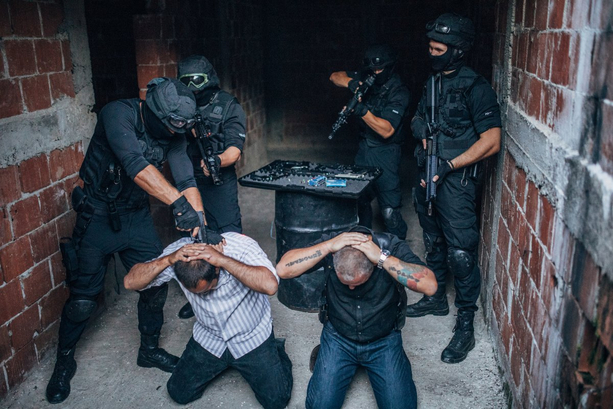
{"x": 42, "y": 115}
{"x": 547, "y": 229}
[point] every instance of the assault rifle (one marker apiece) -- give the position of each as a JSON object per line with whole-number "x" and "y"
{"x": 203, "y": 133}
{"x": 353, "y": 102}
{"x": 431, "y": 139}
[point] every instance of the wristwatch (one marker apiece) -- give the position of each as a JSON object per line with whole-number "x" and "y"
{"x": 384, "y": 255}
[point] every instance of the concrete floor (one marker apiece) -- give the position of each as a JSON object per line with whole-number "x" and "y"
{"x": 108, "y": 377}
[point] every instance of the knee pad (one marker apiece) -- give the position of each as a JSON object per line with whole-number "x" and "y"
{"x": 80, "y": 309}
{"x": 391, "y": 217}
{"x": 154, "y": 298}
{"x": 460, "y": 262}
{"x": 433, "y": 243}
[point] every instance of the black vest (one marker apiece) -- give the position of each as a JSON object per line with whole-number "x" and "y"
{"x": 101, "y": 170}
{"x": 454, "y": 117}
{"x": 376, "y": 102}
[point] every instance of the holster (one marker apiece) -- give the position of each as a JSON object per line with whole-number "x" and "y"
{"x": 323, "y": 313}
{"x": 69, "y": 258}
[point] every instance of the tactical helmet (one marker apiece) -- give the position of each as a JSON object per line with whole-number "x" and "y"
{"x": 379, "y": 56}
{"x": 452, "y": 29}
{"x": 197, "y": 73}
{"x": 172, "y": 103}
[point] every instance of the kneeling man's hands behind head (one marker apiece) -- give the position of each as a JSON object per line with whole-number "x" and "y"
{"x": 347, "y": 239}
{"x": 370, "y": 249}
{"x": 198, "y": 251}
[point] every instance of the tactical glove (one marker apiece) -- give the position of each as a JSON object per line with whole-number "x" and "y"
{"x": 212, "y": 237}
{"x": 443, "y": 169}
{"x": 360, "y": 110}
{"x": 419, "y": 128}
{"x": 353, "y": 85}
{"x": 186, "y": 217}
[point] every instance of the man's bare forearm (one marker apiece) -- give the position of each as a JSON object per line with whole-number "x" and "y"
{"x": 296, "y": 262}
{"x": 413, "y": 276}
{"x": 142, "y": 274}
{"x": 258, "y": 278}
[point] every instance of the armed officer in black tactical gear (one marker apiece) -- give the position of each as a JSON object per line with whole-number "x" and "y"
{"x": 121, "y": 169}
{"x": 382, "y": 112}
{"x": 225, "y": 123}
{"x": 467, "y": 125}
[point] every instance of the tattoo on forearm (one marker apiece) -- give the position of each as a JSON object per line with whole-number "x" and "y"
{"x": 300, "y": 260}
{"x": 409, "y": 277}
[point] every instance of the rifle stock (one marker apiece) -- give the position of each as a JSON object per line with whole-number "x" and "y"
{"x": 353, "y": 102}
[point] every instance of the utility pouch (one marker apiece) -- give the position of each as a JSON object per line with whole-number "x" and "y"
{"x": 69, "y": 258}
{"x": 114, "y": 216}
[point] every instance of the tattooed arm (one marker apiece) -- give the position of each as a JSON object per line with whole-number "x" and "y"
{"x": 297, "y": 261}
{"x": 413, "y": 276}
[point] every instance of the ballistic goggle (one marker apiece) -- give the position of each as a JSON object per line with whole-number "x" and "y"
{"x": 180, "y": 122}
{"x": 197, "y": 80}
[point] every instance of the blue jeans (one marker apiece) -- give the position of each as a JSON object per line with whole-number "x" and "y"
{"x": 267, "y": 369}
{"x": 385, "y": 361}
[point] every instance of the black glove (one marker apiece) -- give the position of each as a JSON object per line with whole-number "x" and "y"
{"x": 443, "y": 169}
{"x": 419, "y": 128}
{"x": 420, "y": 156}
{"x": 360, "y": 110}
{"x": 186, "y": 217}
{"x": 353, "y": 85}
{"x": 212, "y": 237}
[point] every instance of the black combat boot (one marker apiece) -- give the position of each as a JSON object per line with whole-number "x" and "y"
{"x": 186, "y": 311}
{"x": 58, "y": 387}
{"x": 463, "y": 340}
{"x": 428, "y": 305}
{"x": 152, "y": 356}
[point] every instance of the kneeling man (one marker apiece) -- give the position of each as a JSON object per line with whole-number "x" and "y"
{"x": 229, "y": 293}
{"x": 366, "y": 274}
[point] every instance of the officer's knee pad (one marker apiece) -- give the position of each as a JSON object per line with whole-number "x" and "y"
{"x": 460, "y": 262}
{"x": 154, "y": 298}
{"x": 391, "y": 217}
{"x": 80, "y": 309}
{"x": 433, "y": 243}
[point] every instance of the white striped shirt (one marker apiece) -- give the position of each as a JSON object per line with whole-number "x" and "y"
{"x": 231, "y": 315}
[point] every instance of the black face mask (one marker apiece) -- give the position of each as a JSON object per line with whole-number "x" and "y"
{"x": 384, "y": 76}
{"x": 155, "y": 127}
{"x": 450, "y": 61}
{"x": 204, "y": 97}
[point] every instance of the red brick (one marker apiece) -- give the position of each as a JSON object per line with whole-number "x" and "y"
{"x": 148, "y": 72}
{"x": 25, "y": 216}
{"x": 52, "y": 304}
{"x": 562, "y": 59}
{"x": 20, "y": 364}
{"x": 529, "y": 11}
{"x": 5, "y": 29}
{"x": 572, "y": 324}
{"x": 20, "y": 56}
{"x": 503, "y": 240}
{"x": 605, "y": 311}
{"x": 519, "y": 12}
{"x": 578, "y": 15}
{"x": 171, "y": 70}
{"x": 34, "y": 173}
{"x": 48, "y": 55}
{"x": 10, "y": 103}
{"x": 540, "y": 22}
{"x": 532, "y": 206}
{"x": 6, "y": 234}
{"x": 563, "y": 248}
{"x": 37, "y": 283}
{"x": 66, "y": 55}
{"x": 147, "y": 52}
{"x": 53, "y": 15}
{"x": 585, "y": 281}
{"x": 561, "y": 112}
{"x": 514, "y": 265}
{"x": 515, "y": 359}
{"x": 58, "y": 272}
{"x": 536, "y": 261}
{"x": 147, "y": 27}
{"x": 44, "y": 242}
{"x": 9, "y": 185}
{"x": 36, "y": 92}
{"x": 53, "y": 202}
{"x": 556, "y": 13}
{"x": 11, "y": 301}
{"x": 546, "y": 220}
{"x": 544, "y": 55}
{"x": 47, "y": 339}
{"x": 16, "y": 258}
{"x": 61, "y": 85}
{"x": 168, "y": 26}
{"x": 532, "y": 52}
{"x": 606, "y": 143}
{"x": 25, "y": 18}
{"x": 24, "y": 327}
{"x": 65, "y": 162}
{"x": 5, "y": 344}
{"x": 506, "y": 333}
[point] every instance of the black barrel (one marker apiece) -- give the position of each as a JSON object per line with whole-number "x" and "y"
{"x": 301, "y": 218}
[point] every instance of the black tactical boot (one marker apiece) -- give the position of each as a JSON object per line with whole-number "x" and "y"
{"x": 428, "y": 305}
{"x": 58, "y": 387}
{"x": 186, "y": 311}
{"x": 463, "y": 340}
{"x": 151, "y": 356}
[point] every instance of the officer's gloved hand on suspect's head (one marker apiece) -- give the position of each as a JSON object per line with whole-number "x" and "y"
{"x": 186, "y": 217}
{"x": 360, "y": 110}
{"x": 443, "y": 169}
{"x": 212, "y": 237}
{"x": 419, "y": 128}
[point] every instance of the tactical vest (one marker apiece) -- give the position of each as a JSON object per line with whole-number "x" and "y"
{"x": 213, "y": 114}
{"x": 375, "y": 104}
{"x": 105, "y": 179}
{"x": 454, "y": 117}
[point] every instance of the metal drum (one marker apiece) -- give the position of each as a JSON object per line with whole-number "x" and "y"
{"x": 300, "y": 219}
